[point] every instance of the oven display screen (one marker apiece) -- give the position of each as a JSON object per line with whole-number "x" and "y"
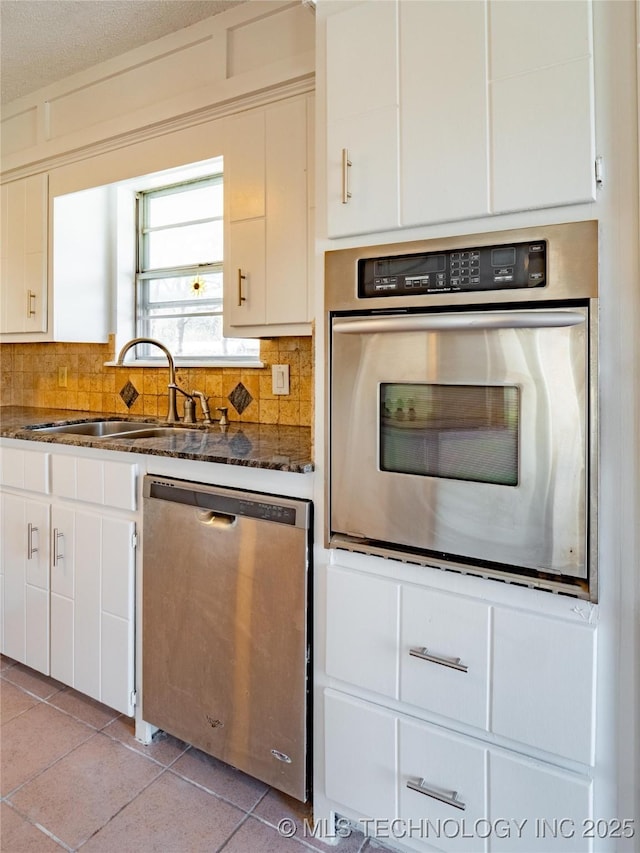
{"x": 459, "y": 432}
{"x": 410, "y": 264}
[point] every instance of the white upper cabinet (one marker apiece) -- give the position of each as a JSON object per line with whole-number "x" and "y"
{"x": 23, "y": 247}
{"x": 541, "y": 96}
{"x": 449, "y": 111}
{"x": 443, "y": 117}
{"x": 362, "y": 119}
{"x": 267, "y": 185}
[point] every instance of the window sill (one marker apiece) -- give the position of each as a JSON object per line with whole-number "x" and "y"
{"x": 189, "y": 362}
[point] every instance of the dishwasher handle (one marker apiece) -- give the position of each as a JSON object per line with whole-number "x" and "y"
{"x": 220, "y": 520}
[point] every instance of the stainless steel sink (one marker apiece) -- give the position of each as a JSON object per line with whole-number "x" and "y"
{"x": 157, "y": 432}
{"x": 96, "y": 428}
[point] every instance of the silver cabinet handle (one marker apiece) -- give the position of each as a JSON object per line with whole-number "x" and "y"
{"x": 448, "y": 797}
{"x": 346, "y": 165}
{"x": 452, "y": 663}
{"x": 241, "y": 298}
{"x": 30, "y": 549}
{"x": 31, "y": 303}
{"x": 459, "y": 322}
{"x": 57, "y": 536}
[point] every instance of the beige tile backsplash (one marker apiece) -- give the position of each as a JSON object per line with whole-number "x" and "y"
{"x": 29, "y": 376}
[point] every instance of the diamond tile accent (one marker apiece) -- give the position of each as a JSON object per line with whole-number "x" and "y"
{"x": 129, "y": 394}
{"x": 240, "y": 398}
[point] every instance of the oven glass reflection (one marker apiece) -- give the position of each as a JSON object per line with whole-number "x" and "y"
{"x": 459, "y": 432}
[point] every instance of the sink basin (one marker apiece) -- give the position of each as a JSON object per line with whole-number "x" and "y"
{"x": 102, "y": 429}
{"x": 156, "y": 432}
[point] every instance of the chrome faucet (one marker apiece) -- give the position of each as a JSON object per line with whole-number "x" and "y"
{"x": 172, "y": 413}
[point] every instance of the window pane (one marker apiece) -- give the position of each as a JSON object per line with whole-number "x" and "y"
{"x": 198, "y": 337}
{"x": 185, "y": 245}
{"x": 193, "y": 290}
{"x": 185, "y": 205}
{"x": 462, "y": 432}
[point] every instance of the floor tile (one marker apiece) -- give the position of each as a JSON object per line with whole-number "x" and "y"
{"x": 164, "y": 748}
{"x": 258, "y": 837}
{"x": 35, "y": 739}
{"x": 280, "y": 810}
{"x": 170, "y": 815}
{"x": 36, "y": 683}
{"x": 83, "y": 708}
{"x": 20, "y": 836}
{"x": 85, "y": 789}
{"x": 6, "y": 662}
{"x": 226, "y": 781}
{"x": 13, "y": 701}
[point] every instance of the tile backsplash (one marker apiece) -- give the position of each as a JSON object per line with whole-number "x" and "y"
{"x": 74, "y": 376}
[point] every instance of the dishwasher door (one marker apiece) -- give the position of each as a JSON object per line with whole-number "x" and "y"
{"x": 226, "y": 626}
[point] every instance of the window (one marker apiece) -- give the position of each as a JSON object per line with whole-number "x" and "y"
{"x": 179, "y": 277}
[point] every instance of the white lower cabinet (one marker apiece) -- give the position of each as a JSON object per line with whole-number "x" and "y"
{"x": 68, "y": 570}
{"x": 91, "y": 590}
{"x": 25, "y": 563}
{"x": 468, "y": 722}
{"x": 427, "y": 788}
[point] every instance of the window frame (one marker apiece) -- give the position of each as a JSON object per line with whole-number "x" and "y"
{"x": 143, "y": 272}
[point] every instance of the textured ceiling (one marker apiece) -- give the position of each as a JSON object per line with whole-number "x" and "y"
{"x": 42, "y": 41}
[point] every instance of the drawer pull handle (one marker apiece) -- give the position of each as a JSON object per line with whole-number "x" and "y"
{"x": 452, "y": 663}
{"x": 30, "y": 549}
{"x": 448, "y": 797}
{"x": 31, "y": 303}
{"x": 57, "y": 536}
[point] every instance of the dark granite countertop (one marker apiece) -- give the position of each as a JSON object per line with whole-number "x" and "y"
{"x": 272, "y": 446}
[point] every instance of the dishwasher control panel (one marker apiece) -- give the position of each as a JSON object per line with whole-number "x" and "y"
{"x": 228, "y": 502}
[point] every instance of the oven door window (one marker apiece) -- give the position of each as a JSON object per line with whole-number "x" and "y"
{"x": 459, "y": 432}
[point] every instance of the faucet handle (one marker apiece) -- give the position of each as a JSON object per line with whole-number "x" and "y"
{"x": 224, "y": 420}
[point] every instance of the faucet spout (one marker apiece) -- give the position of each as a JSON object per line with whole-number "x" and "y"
{"x": 172, "y": 413}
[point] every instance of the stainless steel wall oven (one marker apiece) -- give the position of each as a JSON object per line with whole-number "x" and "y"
{"x": 462, "y": 392}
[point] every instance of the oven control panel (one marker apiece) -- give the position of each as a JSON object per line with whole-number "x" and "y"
{"x": 500, "y": 267}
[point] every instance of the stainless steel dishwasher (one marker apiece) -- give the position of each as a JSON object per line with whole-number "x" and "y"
{"x": 226, "y": 626}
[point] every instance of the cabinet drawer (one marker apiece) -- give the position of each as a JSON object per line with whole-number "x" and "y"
{"x": 23, "y": 469}
{"x": 444, "y": 655}
{"x": 93, "y": 481}
{"x": 544, "y": 683}
{"x": 362, "y": 630}
{"x": 360, "y": 756}
{"x": 442, "y": 786}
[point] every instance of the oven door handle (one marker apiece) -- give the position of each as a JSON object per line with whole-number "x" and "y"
{"x": 458, "y": 322}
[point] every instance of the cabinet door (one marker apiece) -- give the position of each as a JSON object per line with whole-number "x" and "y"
{"x": 551, "y": 807}
{"x": 542, "y": 112}
{"x": 92, "y": 605}
{"x": 360, "y": 756}
{"x": 25, "y": 566}
{"x": 244, "y": 167}
{"x": 443, "y": 111}
{"x": 245, "y": 275}
{"x": 442, "y": 781}
{"x": 286, "y": 208}
{"x": 444, "y": 665}
{"x": 362, "y": 119}
{"x": 543, "y": 683}
{"x": 23, "y": 272}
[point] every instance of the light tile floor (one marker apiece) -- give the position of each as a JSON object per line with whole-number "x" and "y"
{"x": 73, "y": 777}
